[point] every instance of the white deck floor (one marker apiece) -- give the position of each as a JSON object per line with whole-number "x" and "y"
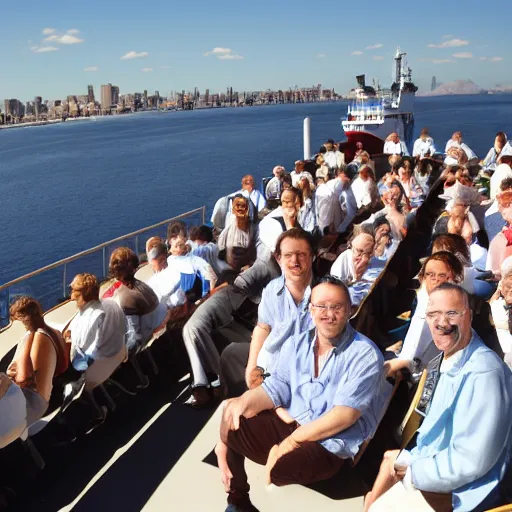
{"x": 193, "y": 485}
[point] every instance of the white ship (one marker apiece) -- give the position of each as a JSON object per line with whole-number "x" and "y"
{"x": 374, "y": 114}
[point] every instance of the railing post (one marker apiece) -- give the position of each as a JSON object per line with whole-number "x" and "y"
{"x": 307, "y": 138}
{"x": 137, "y": 245}
{"x": 204, "y": 216}
{"x": 104, "y": 258}
{"x": 64, "y": 280}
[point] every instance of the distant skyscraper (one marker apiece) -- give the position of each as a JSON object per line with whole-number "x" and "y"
{"x": 157, "y": 99}
{"x": 115, "y": 95}
{"x": 207, "y": 96}
{"x": 434, "y": 83}
{"x": 106, "y": 96}
{"x": 90, "y": 94}
{"x": 145, "y": 99}
{"x": 37, "y": 105}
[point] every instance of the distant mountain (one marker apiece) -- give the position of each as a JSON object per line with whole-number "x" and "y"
{"x": 457, "y": 87}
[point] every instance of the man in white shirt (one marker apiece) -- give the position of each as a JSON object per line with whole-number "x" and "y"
{"x": 424, "y": 145}
{"x": 327, "y": 204}
{"x": 395, "y": 146}
{"x": 165, "y": 282}
{"x": 333, "y": 158}
{"x": 457, "y": 142}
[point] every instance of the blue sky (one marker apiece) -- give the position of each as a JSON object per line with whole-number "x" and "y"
{"x": 248, "y": 45}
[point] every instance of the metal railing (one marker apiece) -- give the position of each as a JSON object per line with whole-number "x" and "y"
{"x": 50, "y": 284}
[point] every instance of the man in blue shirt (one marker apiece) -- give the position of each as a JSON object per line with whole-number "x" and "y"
{"x": 463, "y": 446}
{"x": 328, "y": 380}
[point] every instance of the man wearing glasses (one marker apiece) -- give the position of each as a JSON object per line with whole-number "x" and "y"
{"x": 328, "y": 380}
{"x": 463, "y": 445}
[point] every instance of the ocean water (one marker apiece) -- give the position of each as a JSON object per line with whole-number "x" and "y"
{"x": 68, "y": 187}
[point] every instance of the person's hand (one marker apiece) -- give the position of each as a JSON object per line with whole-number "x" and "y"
{"x": 390, "y": 456}
{"x": 233, "y": 409}
{"x": 277, "y": 451}
{"x": 221, "y": 450}
{"x": 254, "y": 377}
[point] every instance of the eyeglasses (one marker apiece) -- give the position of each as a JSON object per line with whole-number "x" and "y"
{"x": 360, "y": 253}
{"x": 451, "y": 315}
{"x": 300, "y": 255}
{"x": 433, "y": 275}
{"x": 337, "y": 308}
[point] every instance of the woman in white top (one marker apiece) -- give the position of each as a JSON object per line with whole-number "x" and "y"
{"x": 418, "y": 349}
{"x": 365, "y": 189}
{"x": 501, "y": 308}
{"x": 97, "y": 332}
{"x": 491, "y": 160}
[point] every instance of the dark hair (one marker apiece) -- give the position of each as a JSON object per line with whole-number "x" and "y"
{"x": 310, "y": 166}
{"x": 300, "y": 166}
{"x": 454, "y": 244}
{"x": 175, "y": 228}
{"x": 335, "y": 281}
{"x": 123, "y": 264}
{"x": 502, "y": 136}
{"x": 203, "y": 233}
{"x": 506, "y": 184}
{"x": 286, "y": 179}
{"x": 424, "y": 131}
{"x": 449, "y": 260}
{"x": 296, "y": 234}
{"x": 380, "y": 221}
{"x": 451, "y": 287}
{"x": 295, "y": 190}
{"x": 322, "y": 150}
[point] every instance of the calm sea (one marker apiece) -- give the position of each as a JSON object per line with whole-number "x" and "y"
{"x": 68, "y": 187}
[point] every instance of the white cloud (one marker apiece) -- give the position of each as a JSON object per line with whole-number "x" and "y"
{"x": 134, "y": 55}
{"x": 357, "y": 52}
{"x": 374, "y": 46}
{"x": 147, "y": 70}
{"x": 463, "y": 55}
{"x": 43, "y": 49}
{"x": 230, "y": 56}
{"x": 91, "y": 68}
{"x": 223, "y": 54}
{"x": 48, "y": 31}
{"x": 437, "y": 61}
{"x": 320, "y": 55}
{"x": 496, "y": 59}
{"x": 218, "y": 51}
{"x": 451, "y": 43}
{"x": 69, "y": 38}
{"x": 378, "y": 57}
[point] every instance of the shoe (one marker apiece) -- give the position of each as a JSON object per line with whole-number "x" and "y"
{"x": 245, "y": 507}
{"x": 200, "y": 397}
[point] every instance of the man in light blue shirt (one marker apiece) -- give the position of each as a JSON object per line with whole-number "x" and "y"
{"x": 463, "y": 446}
{"x": 328, "y": 381}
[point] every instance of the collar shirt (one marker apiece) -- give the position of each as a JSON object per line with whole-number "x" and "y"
{"x": 334, "y": 159}
{"x": 307, "y": 215}
{"x": 352, "y": 376}
{"x": 166, "y": 285}
{"x": 98, "y": 331}
{"x": 327, "y": 204}
{"x": 191, "y": 264}
{"x": 463, "y": 445}
{"x": 210, "y": 252}
{"x": 297, "y": 176}
{"x": 422, "y": 147}
{"x": 285, "y": 318}
{"x": 273, "y": 189}
{"x": 358, "y": 290}
{"x": 395, "y": 148}
{"x": 343, "y": 267}
{"x": 256, "y": 198}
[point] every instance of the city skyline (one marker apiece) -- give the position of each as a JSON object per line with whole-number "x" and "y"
{"x": 248, "y": 48}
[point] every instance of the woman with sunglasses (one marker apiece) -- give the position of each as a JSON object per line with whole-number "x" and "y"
{"x": 418, "y": 349}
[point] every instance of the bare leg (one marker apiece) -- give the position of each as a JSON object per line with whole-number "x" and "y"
{"x": 384, "y": 481}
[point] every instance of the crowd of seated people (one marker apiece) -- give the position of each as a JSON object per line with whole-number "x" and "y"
{"x": 265, "y": 328}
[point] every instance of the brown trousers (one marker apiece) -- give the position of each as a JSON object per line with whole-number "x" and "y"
{"x": 254, "y": 440}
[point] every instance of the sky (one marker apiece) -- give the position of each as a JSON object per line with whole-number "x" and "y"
{"x": 52, "y": 48}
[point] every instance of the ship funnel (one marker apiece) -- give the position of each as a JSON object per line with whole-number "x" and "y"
{"x": 361, "y": 81}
